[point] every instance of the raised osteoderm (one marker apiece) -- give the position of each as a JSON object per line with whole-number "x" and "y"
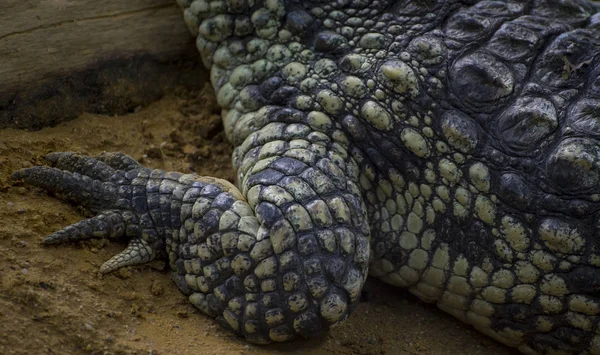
{"x": 451, "y": 148}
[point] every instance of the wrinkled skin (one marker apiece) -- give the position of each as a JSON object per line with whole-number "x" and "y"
{"x": 450, "y": 148}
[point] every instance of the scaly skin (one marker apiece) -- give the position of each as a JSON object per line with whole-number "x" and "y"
{"x": 446, "y": 147}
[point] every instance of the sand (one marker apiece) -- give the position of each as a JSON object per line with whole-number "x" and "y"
{"x": 53, "y": 300}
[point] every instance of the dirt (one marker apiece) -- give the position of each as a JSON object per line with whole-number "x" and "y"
{"x": 53, "y": 300}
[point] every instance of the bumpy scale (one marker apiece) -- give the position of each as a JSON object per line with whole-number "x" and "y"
{"x": 447, "y": 147}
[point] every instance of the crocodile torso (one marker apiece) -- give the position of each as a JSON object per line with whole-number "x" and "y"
{"x": 447, "y": 147}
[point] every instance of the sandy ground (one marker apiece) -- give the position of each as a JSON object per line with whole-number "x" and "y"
{"x": 54, "y": 301}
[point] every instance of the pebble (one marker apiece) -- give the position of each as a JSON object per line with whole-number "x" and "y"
{"x": 124, "y": 273}
{"x": 156, "y": 288}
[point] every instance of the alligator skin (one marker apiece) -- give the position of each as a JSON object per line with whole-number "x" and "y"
{"x": 450, "y": 148}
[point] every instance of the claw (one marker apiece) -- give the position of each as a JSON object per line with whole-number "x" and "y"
{"x": 137, "y": 252}
{"x": 81, "y": 164}
{"x": 82, "y": 189}
{"x": 119, "y": 161}
{"x": 109, "y": 224}
{"x": 100, "y": 167}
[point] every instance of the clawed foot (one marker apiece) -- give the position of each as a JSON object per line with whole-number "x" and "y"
{"x": 252, "y": 261}
{"x": 106, "y": 184}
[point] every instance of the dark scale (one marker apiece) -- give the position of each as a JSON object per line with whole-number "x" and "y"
{"x": 447, "y": 147}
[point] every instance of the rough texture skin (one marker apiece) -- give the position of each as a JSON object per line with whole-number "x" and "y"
{"x": 447, "y": 147}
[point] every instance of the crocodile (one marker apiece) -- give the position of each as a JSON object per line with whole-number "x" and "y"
{"x": 450, "y": 148}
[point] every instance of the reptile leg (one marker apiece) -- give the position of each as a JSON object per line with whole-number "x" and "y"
{"x": 285, "y": 257}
